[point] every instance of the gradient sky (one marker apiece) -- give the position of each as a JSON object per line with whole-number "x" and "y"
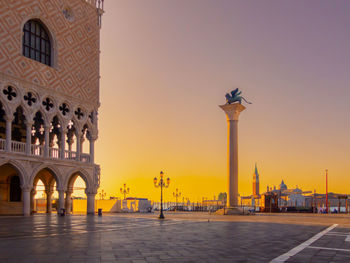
{"x": 166, "y": 66}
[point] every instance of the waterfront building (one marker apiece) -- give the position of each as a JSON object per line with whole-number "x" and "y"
{"x": 49, "y": 100}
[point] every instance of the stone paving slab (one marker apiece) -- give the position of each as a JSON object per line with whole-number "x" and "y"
{"x": 114, "y": 238}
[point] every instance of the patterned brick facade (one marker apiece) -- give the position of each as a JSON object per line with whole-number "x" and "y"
{"x": 75, "y": 71}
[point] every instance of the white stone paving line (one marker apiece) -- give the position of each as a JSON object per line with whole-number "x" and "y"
{"x": 347, "y": 238}
{"x": 284, "y": 257}
{"x": 330, "y": 248}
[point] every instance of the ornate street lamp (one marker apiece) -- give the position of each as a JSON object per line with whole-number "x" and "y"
{"x": 124, "y": 191}
{"x": 176, "y": 195}
{"x": 160, "y": 183}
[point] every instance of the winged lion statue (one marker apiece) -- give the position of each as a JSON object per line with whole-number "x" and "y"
{"x": 235, "y": 96}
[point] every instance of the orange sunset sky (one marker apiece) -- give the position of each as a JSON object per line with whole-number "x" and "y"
{"x": 166, "y": 66}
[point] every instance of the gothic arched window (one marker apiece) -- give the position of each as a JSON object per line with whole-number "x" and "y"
{"x": 15, "y": 189}
{"x": 36, "y": 42}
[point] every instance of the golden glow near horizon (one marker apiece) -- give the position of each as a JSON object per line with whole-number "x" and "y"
{"x": 165, "y": 68}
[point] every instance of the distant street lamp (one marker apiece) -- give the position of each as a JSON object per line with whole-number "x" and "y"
{"x": 160, "y": 183}
{"x": 124, "y": 191}
{"x": 176, "y": 195}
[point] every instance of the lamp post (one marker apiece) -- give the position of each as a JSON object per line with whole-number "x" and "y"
{"x": 160, "y": 183}
{"x": 176, "y": 195}
{"x": 124, "y": 191}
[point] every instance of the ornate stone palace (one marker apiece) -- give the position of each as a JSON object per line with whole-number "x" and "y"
{"x": 49, "y": 99}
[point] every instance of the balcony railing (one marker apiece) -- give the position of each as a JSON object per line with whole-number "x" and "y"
{"x": 70, "y": 155}
{"x": 18, "y": 147}
{"x": 38, "y": 150}
{"x": 54, "y": 153}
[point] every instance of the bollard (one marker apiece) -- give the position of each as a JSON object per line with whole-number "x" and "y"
{"x": 100, "y": 212}
{"x": 62, "y": 212}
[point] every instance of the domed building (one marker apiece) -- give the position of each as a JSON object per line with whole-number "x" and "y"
{"x": 283, "y": 186}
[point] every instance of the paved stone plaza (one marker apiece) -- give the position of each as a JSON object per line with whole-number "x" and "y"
{"x": 179, "y": 238}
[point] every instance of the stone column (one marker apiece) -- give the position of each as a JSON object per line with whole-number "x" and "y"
{"x": 49, "y": 201}
{"x": 29, "y": 125}
{"x": 90, "y": 202}
{"x": 92, "y": 150}
{"x": 60, "y": 199}
{"x": 47, "y": 141}
{"x": 69, "y": 201}
{"x": 26, "y": 200}
{"x": 78, "y": 145}
{"x": 232, "y": 113}
{"x": 32, "y": 201}
{"x": 63, "y": 143}
{"x": 9, "y": 120}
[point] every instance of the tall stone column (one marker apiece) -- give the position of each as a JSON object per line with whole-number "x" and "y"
{"x": 9, "y": 120}
{"x": 232, "y": 113}
{"x": 91, "y": 202}
{"x": 26, "y": 200}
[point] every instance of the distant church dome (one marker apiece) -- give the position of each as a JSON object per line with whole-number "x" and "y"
{"x": 283, "y": 186}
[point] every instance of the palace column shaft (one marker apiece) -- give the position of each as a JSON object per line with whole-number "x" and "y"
{"x": 26, "y": 200}
{"x": 28, "y": 137}
{"x": 78, "y": 146}
{"x": 91, "y": 203}
{"x": 68, "y": 202}
{"x": 92, "y": 151}
{"x": 63, "y": 144}
{"x": 47, "y": 141}
{"x": 8, "y": 132}
{"x": 232, "y": 113}
{"x": 60, "y": 200}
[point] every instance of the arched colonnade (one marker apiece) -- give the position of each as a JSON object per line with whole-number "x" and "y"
{"x": 18, "y": 187}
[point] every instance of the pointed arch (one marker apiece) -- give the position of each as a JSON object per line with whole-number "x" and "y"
{"x": 73, "y": 174}
{"x": 18, "y": 167}
{"x": 52, "y": 169}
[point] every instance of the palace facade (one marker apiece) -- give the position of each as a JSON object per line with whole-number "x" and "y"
{"x": 49, "y": 100}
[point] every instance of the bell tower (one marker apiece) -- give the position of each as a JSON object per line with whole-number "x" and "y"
{"x": 256, "y": 182}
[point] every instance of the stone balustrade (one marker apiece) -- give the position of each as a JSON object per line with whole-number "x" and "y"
{"x": 38, "y": 150}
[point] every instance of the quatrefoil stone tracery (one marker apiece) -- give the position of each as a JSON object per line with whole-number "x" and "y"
{"x": 79, "y": 113}
{"x": 64, "y": 109}
{"x": 47, "y": 103}
{"x": 10, "y": 93}
{"x": 29, "y": 98}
